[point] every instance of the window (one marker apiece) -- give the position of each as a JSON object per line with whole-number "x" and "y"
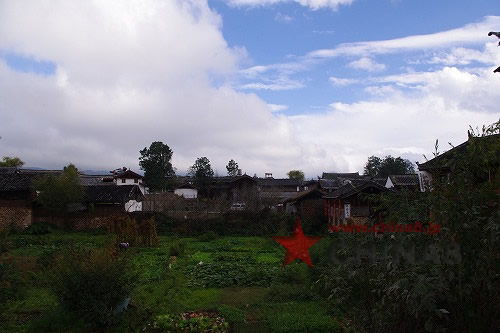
{"x": 306, "y": 188}
{"x": 136, "y": 180}
{"x": 298, "y": 188}
{"x": 123, "y": 180}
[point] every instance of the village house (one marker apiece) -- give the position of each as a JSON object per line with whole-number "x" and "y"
{"x": 443, "y": 166}
{"x": 103, "y": 195}
{"x": 349, "y": 201}
{"x": 275, "y": 191}
{"x": 126, "y": 176}
{"x": 306, "y": 205}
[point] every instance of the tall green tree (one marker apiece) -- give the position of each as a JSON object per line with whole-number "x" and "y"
{"x": 55, "y": 193}
{"x": 296, "y": 174}
{"x": 157, "y": 166}
{"x": 232, "y": 168}
{"x": 11, "y": 162}
{"x": 381, "y": 168}
{"x": 202, "y": 173}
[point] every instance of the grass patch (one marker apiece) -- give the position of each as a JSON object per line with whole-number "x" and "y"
{"x": 300, "y": 317}
{"x": 240, "y": 296}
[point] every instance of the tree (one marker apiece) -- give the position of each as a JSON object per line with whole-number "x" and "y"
{"x": 382, "y": 168}
{"x": 232, "y": 168}
{"x": 296, "y": 174}
{"x": 202, "y": 173}
{"x": 11, "y": 162}
{"x": 57, "y": 192}
{"x": 157, "y": 166}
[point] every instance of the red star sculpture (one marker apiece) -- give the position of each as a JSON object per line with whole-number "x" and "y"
{"x": 297, "y": 245}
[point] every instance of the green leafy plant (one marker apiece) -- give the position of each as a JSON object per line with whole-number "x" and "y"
{"x": 231, "y": 314}
{"x": 92, "y": 284}
{"x": 178, "y": 248}
{"x": 208, "y": 237}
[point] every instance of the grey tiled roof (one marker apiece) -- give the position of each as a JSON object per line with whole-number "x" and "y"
{"x": 404, "y": 180}
{"x": 87, "y": 180}
{"x": 353, "y": 187}
{"x": 112, "y": 194}
{"x": 335, "y": 175}
{"x": 272, "y": 182}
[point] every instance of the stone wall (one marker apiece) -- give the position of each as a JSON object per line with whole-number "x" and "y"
{"x": 18, "y": 217}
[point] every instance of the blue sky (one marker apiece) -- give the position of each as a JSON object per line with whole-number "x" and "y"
{"x": 281, "y": 32}
{"x": 317, "y": 85}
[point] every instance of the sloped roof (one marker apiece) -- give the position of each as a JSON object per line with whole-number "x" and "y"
{"x": 447, "y": 159}
{"x": 335, "y": 175}
{"x": 128, "y": 174}
{"x": 22, "y": 179}
{"x": 305, "y": 195}
{"x": 187, "y": 185}
{"x": 404, "y": 180}
{"x": 91, "y": 180}
{"x": 279, "y": 182}
{"x": 382, "y": 181}
{"x": 8, "y": 170}
{"x": 354, "y": 187}
{"x": 15, "y": 182}
{"x": 112, "y": 194}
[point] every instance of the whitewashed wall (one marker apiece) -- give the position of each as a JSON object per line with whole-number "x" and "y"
{"x": 187, "y": 193}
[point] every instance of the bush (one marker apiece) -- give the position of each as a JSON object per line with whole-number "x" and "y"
{"x": 41, "y": 228}
{"x": 294, "y": 273}
{"x": 92, "y": 284}
{"x": 47, "y": 257}
{"x": 178, "y": 248}
{"x": 208, "y": 237}
{"x": 231, "y": 314}
{"x": 10, "y": 282}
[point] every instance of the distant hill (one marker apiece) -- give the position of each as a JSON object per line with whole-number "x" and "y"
{"x": 96, "y": 172}
{"x": 85, "y": 172}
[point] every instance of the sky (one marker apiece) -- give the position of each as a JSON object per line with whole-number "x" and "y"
{"x": 276, "y": 85}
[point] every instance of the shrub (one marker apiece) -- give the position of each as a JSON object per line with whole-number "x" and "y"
{"x": 10, "y": 282}
{"x": 294, "y": 273}
{"x": 208, "y": 237}
{"x": 47, "y": 257}
{"x": 41, "y": 228}
{"x": 178, "y": 248}
{"x": 231, "y": 314}
{"x": 91, "y": 284}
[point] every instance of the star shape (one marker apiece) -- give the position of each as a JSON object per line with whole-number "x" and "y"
{"x": 297, "y": 246}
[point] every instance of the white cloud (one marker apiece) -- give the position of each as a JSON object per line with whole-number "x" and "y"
{"x": 473, "y": 33}
{"x": 402, "y": 122}
{"x": 444, "y": 45}
{"x": 342, "y": 81}
{"x": 311, "y": 4}
{"x": 283, "y": 18}
{"x": 281, "y": 83}
{"x": 367, "y": 64}
{"x": 278, "y": 107}
{"x": 126, "y": 77}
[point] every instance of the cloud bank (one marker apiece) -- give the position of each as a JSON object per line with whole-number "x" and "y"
{"x": 132, "y": 72}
